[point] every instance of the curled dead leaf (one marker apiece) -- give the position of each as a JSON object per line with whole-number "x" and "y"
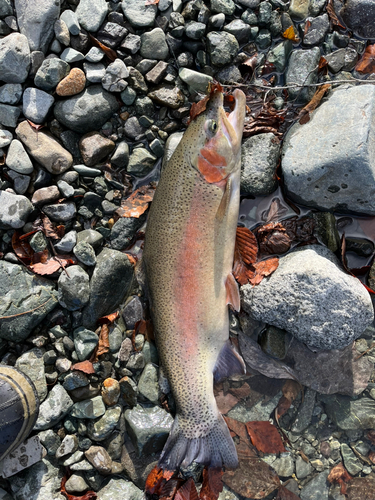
{"x": 90, "y": 495}
{"x": 264, "y": 268}
{"x": 110, "y": 53}
{"x": 212, "y": 484}
{"x": 84, "y": 366}
{"x": 304, "y": 114}
{"x": 341, "y": 476}
{"x": 332, "y": 15}
{"x": 198, "y": 108}
{"x": 103, "y": 344}
{"x": 291, "y": 34}
{"x": 110, "y": 318}
{"x": 290, "y": 390}
{"x": 154, "y": 481}
{"x": 367, "y": 62}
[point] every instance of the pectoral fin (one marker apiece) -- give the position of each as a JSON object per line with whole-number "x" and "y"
{"x": 233, "y": 294}
{"x": 224, "y": 204}
{"x": 229, "y": 362}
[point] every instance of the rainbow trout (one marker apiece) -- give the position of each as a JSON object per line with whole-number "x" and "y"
{"x": 188, "y": 259}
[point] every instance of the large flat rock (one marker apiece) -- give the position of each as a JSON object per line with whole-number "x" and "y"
{"x": 329, "y": 162}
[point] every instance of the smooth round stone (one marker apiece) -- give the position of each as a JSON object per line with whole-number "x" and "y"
{"x": 14, "y": 58}
{"x": 70, "y": 55}
{"x": 138, "y": 14}
{"x": 94, "y": 55}
{"x": 36, "y": 104}
{"x": 110, "y": 391}
{"x": 87, "y": 171}
{"x": 73, "y": 290}
{"x": 153, "y": 45}
{"x": 90, "y": 236}
{"x": 62, "y": 212}
{"x": 91, "y": 13}
{"x": 87, "y": 111}
{"x": 17, "y": 159}
{"x": 5, "y": 138}
{"x": 70, "y": 19}
{"x": 85, "y": 253}
{"x": 66, "y": 189}
{"x": 76, "y": 484}
{"x": 9, "y": 115}
{"x": 20, "y": 182}
{"x": 72, "y": 84}
{"x": 50, "y": 73}
{"x": 94, "y": 72}
{"x": 62, "y": 32}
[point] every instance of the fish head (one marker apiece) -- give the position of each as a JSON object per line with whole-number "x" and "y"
{"x": 218, "y": 138}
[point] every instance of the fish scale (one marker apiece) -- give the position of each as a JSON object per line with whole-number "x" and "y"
{"x": 188, "y": 259}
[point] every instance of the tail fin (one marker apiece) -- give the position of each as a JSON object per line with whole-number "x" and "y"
{"x": 215, "y": 449}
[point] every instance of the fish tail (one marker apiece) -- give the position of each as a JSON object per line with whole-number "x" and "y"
{"x": 215, "y": 449}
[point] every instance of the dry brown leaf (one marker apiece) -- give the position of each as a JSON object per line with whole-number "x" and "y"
{"x": 265, "y": 437}
{"x": 264, "y": 268}
{"x": 84, "y": 366}
{"x": 322, "y": 63}
{"x": 251, "y": 62}
{"x": 212, "y": 484}
{"x": 290, "y": 34}
{"x": 103, "y": 344}
{"x": 225, "y": 402}
{"x": 170, "y": 488}
{"x": 188, "y": 491}
{"x": 304, "y": 114}
{"x": 50, "y": 266}
{"x": 333, "y": 16}
{"x": 290, "y": 390}
{"x": 111, "y": 54}
{"x": 110, "y": 318}
{"x": 339, "y": 475}
{"x": 367, "y": 62}
{"x": 137, "y": 203}
{"x": 49, "y": 228}
{"x": 151, "y": 2}
{"x": 154, "y": 481}
{"x": 239, "y": 429}
{"x": 197, "y": 108}
{"x": 90, "y": 495}
{"x": 35, "y": 126}
{"x": 22, "y": 248}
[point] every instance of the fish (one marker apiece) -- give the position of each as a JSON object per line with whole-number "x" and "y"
{"x": 188, "y": 260}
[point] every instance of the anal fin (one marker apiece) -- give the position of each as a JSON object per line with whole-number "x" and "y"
{"x": 233, "y": 293}
{"x": 228, "y": 363}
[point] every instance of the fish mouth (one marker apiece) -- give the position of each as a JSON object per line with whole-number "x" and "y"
{"x": 232, "y": 124}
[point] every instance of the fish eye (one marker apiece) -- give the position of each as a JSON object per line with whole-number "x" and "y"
{"x": 211, "y": 126}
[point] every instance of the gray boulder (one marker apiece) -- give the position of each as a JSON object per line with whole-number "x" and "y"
{"x": 359, "y": 16}
{"x": 302, "y": 69}
{"x": 110, "y": 283}
{"x": 86, "y": 111}
{"x": 310, "y": 296}
{"x": 54, "y": 408}
{"x": 36, "y": 104}
{"x": 259, "y": 155}
{"x": 20, "y": 292}
{"x": 91, "y": 13}
{"x": 74, "y": 290}
{"x": 14, "y": 58}
{"x": 14, "y": 210}
{"x": 329, "y": 162}
{"x": 222, "y": 47}
{"x": 36, "y": 21}
{"x": 138, "y": 14}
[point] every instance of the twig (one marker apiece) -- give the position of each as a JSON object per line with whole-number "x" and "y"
{"x": 58, "y": 258}
{"x": 297, "y": 85}
{"x": 366, "y": 351}
{"x": 25, "y": 312}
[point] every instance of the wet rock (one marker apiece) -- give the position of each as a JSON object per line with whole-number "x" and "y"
{"x": 87, "y": 111}
{"x": 329, "y": 320}
{"x": 138, "y": 14}
{"x": 31, "y": 363}
{"x": 317, "y": 488}
{"x": 349, "y": 414}
{"x": 303, "y": 469}
{"x": 120, "y": 157}
{"x": 302, "y": 69}
{"x": 305, "y": 412}
{"x": 148, "y": 428}
{"x": 124, "y": 230}
{"x": 222, "y": 47}
{"x": 113, "y": 79}
{"x": 168, "y": 96}
{"x": 36, "y": 104}
{"x": 226, "y": 7}
{"x": 260, "y": 155}
{"x": 91, "y": 13}
{"x": 54, "y": 408}
{"x": 22, "y": 292}
{"x": 14, "y": 210}
{"x": 110, "y": 282}
{"x": 260, "y": 411}
{"x": 85, "y": 342}
{"x": 103, "y": 427}
{"x": 317, "y": 31}
{"x": 50, "y": 73}
{"x": 72, "y": 84}
{"x": 342, "y": 59}
{"x": 284, "y": 465}
{"x": 99, "y": 458}
{"x": 351, "y": 462}
{"x": 340, "y": 173}
{"x": 17, "y": 159}
{"x": 94, "y": 148}
{"x": 62, "y": 212}
{"x": 38, "y": 242}
{"x": 14, "y": 58}
{"x": 118, "y": 488}
{"x": 10, "y": 93}
{"x": 326, "y": 230}
{"x": 358, "y": 15}
{"x": 44, "y": 148}
{"x": 148, "y": 384}
{"x": 89, "y": 408}
{"x": 41, "y": 481}
{"x": 141, "y": 162}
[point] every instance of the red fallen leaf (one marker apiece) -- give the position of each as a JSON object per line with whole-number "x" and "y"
{"x": 274, "y": 238}
{"x": 253, "y": 478}
{"x": 245, "y": 254}
{"x": 284, "y": 494}
{"x": 132, "y": 258}
{"x": 239, "y": 429}
{"x": 188, "y": 491}
{"x": 110, "y": 318}
{"x": 367, "y": 62}
{"x": 241, "y": 392}
{"x": 137, "y": 203}
{"x": 90, "y": 495}
{"x": 225, "y": 402}
{"x": 151, "y": 2}
{"x": 264, "y": 268}
{"x": 52, "y": 265}
{"x": 339, "y": 475}
{"x": 60, "y": 230}
{"x": 22, "y": 248}
{"x": 154, "y": 481}
{"x": 84, "y": 366}
{"x": 212, "y": 484}
{"x": 35, "y": 126}
{"x": 290, "y": 390}
{"x": 169, "y": 489}
{"x": 332, "y": 15}
{"x": 307, "y": 27}
{"x": 111, "y": 54}
{"x": 49, "y": 228}
{"x": 251, "y": 62}
{"x": 322, "y": 63}
{"x": 265, "y": 437}
{"x": 103, "y": 344}
{"x": 197, "y": 108}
